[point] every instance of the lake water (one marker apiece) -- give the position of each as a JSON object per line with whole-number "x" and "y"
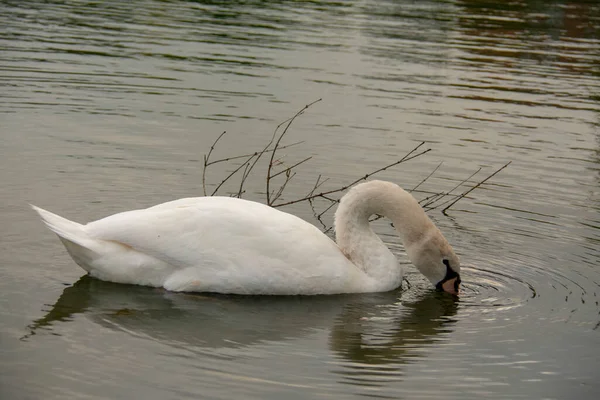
{"x": 109, "y": 106}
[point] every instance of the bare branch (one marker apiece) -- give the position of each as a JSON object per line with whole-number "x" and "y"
{"x": 408, "y": 156}
{"x": 206, "y": 164}
{"x": 333, "y": 203}
{"x": 288, "y": 178}
{"x": 253, "y": 154}
{"x": 431, "y": 199}
{"x": 317, "y": 184}
{"x": 231, "y": 174}
{"x": 475, "y": 187}
{"x": 427, "y": 177}
{"x": 248, "y": 165}
{"x": 312, "y": 206}
{"x": 444, "y": 194}
{"x": 243, "y": 180}
{"x": 289, "y": 123}
{"x": 249, "y": 161}
{"x": 290, "y": 168}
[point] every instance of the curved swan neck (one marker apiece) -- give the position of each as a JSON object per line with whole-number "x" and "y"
{"x": 355, "y": 237}
{"x": 384, "y": 198}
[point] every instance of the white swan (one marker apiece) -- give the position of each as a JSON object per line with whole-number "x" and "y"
{"x": 229, "y": 245}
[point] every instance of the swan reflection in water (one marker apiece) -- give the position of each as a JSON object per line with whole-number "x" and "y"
{"x": 373, "y": 328}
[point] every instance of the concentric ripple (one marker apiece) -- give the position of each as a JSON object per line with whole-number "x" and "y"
{"x": 519, "y": 280}
{"x": 486, "y": 287}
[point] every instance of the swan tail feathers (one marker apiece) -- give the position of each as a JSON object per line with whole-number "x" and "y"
{"x": 63, "y": 227}
{"x": 72, "y": 235}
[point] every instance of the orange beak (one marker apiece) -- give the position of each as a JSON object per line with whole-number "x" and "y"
{"x": 450, "y": 286}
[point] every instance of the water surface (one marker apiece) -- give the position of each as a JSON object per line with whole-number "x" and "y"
{"x": 108, "y": 106}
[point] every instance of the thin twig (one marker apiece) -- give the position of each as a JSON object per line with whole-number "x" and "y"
{"x": 431, "y": 199}
{"x": 326, "y": 228}
{"x": 312, "y": 207}
{"x": 429, "y": 192}
{"x": 276, "y": 146}
{"x": 475, "y": 187}
{"x": 452, "y": 190}
{"x": 330, "y": 199}
{"x": 327, "y": 209}
{"x": 427, "y": 177}
{"x": 244, "y": 176}
{"x": 430, "y": 205}
{"x": 251, "y": 159}
{"x": 206, "y": 157}
{"x": 317, "y": 184}
{"x": 288, "y": 178}
{"x": 253, "y": 154}
{"x": 257, "y": 155}
{"x": 231, "y": 174}
{"x": 290, "y": 168}
{"x": 320, "y": 215}
{"x": 408, "y": 156}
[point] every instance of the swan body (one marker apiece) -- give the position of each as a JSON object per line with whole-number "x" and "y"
{"x": 230, "y": 245}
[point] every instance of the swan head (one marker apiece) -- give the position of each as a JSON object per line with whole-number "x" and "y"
{"x": 436, "y": 259}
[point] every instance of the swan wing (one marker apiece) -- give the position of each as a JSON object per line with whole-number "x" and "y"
{"x": 232, "y": 245}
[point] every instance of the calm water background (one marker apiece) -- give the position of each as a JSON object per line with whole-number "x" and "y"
{"x": 108, "y": 106}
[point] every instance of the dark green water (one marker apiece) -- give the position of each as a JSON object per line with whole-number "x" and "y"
{"x": 109, "y": 106}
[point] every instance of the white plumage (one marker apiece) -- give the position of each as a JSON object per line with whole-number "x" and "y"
{"x": 228, "y": 245}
